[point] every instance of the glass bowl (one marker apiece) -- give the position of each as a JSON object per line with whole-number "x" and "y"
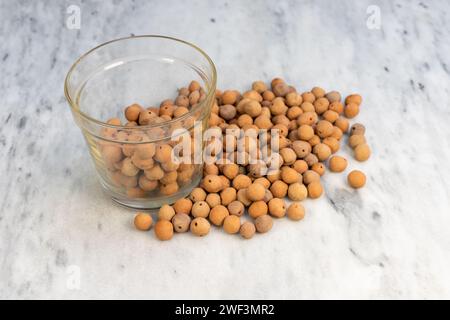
{"x": 130, "y": 157}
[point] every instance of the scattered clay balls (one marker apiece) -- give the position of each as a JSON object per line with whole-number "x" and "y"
{"x": 181, "y": 222}
{"x": 337, "y": 163}
{"x": 263, "y": 223}
{"x": 163, "y": 230}
{"x": 143, "y": 221}
{"x": 232, "y": 224}
{"x": 356, "y": 179}
{"x": 247, "y": 230}
{"x": 310, "y": 127}
{"x": 296, "y": 211}
{"x": 200, "y": 226}
{"x": 362, "y": 152}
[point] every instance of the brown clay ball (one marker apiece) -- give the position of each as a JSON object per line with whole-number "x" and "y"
{"x": 163, "y": 230}
{"x": 356, "y": 179}
{"x": 247, "y": 230}
{"x": 232, "y": 224}
{"x": 200, "y": 226}
{"x": 296, "y": 211}
{"x": 143, "y": 221}
{"x": 263, "y": 223}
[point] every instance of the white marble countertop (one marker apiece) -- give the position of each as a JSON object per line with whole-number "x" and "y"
{"x": 388, "y": 240}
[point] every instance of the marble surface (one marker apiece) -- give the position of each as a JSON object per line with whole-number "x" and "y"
{"x": 60, "y": 237}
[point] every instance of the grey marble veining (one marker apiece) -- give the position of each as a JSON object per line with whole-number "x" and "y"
{"x": 388, "y": 240}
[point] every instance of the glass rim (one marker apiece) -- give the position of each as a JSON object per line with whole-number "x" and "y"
{"x": 209, "y": 93}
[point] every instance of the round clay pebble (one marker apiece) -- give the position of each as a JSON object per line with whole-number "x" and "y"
{"x": 197, "y": 194}
{"x": 362, "y": 152}
{"x": 351, "y": 110}
{"x": 279, "y": 189}
{"x": 289, "y": 156}
{"x": 213, "y": 200}
{"x": 297, "y": 192}
{"x": 132, "y": 112}
{"x": 183, "y": 205}
{"x": 333, "y": 96}
{"x": 230, "y": 170}
{"x": 229, "y": 97}
{"x": 310, "y": 176}
{"x": 318, "y": 92}
{"x": 358, "y": 129}
{"x": 333, "y": 143}
{"x": 232, "y": 224}
{"x": 330, "y": 116}
{"x": 181, "y": 222}
{"x": 337, "y": 107}
{"x": 319, "y": 168}
{"x": 255, "y": 192}
{"x": 342, "y": 123}
{"x": 200, "y": 209}
{"x": 321, "y": 105}
{"x": 236, "y": 208}
{"x": 315, "y": 140}
{"x": 163, "y": 230}
{"x": 259, "y": 86}
{"x": 324, "y": 129}
{"x": 315, "y": 190}
{"x": 241, "y": 182}
{"x": 143, "y": 221}
{"x": 257, "y": 208}
{"x": 355, "y": 140}
{"x": 337, "y": 163}
{"x": 311, "y": 159}
{"x": 263, "y": 223}
{"x": 322, "y": 151}
{"x": 252, "y": 108}
{"x": 289, "y": 175}
{"x": 300, "y": 166}
{"x": 301, "y": 148}
{"x": 227, "y": 195}
{"x": 169, "y": 189}
{"x": 305, "y": 132}
{"x": 166, "y": 212}
{"x": 218, "y": 214}
{"x": 277, "y": 207}
{"x": 200, "y": 226}
{"x": 242, "y": 197}
{"x": 247, "y": 230}
{"x": 264, "y": 181}
{"x": 212, "y": 183}
{"x": 356, "y": 179}
{"x": 353, "y": 98}
{"x": 163, "y": 153}
{"x": 227, "y": 111}
{"x": 296, "y": 211}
